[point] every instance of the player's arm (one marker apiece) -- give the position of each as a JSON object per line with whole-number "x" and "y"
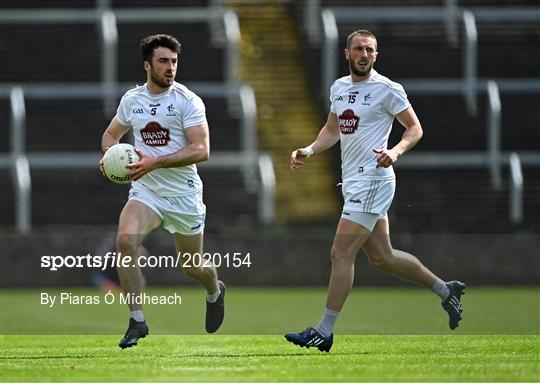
{"x": 412, "y": 135}
{"x": 197, "y": 150}
{"x": 112, "y": 136}
{"x": 328, "y": 136}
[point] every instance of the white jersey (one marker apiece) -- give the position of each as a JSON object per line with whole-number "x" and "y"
{"x": 158, "y": 122}
{"x": 365, "y": 112}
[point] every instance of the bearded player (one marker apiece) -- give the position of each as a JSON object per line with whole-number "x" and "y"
{"x": 171, "y": 136}
{"x": 363, "y": 107}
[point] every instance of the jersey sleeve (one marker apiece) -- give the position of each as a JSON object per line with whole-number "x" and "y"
{"x": 122, "y": 113}
{"x": 195, "y": 113}
{"x": 397, "y": 100}
{"x": 332, "y": 88}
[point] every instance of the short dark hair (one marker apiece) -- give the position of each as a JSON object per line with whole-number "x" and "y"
{"x": 149, "y": 43}
{"x": 363, "y": 32}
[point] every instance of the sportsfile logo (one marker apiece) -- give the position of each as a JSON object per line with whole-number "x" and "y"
{"x": 118, "y": 260}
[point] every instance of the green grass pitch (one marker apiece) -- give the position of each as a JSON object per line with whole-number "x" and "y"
{"x": 390, "y": 334}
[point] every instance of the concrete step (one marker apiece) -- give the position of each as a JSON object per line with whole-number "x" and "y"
{"x": 288, "y": 117}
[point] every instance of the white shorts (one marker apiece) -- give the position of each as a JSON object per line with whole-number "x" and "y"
{"x": 367, "y": 201}
{"x": 366, "y": 220}
{"x": 180, "y": 214}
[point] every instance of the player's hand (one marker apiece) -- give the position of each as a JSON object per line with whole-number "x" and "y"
{"x": 299, "y": 156}
{"x": 146, "y": 164}
{"x": 101, "y": 163}
{"x": 385, "y": 157}
{"x": 101, "y": 167}
{"x": 297, "y": 159}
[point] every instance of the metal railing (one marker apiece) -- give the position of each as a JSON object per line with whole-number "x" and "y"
{"x": 267, "y": 199}
{"x": 470, "y": 52}
{"x": 329, "y": 50}
{"x": 248, "y": 140}
{"x": 447, "y": 14}
{"x": 232, "y": 38}
{"x": 469, "y": 85}
{"x": 312, "y": 26}
{"x": 494, "y": 134}
{"x": 479, "y": 159}
{"x": 257, "y": 168}
{"x": 20, "y": 168}
{"x": 516, "y": 189}
{"x": 452, "y": 13}
{"x": 493, "y": 159}
{"x": 107, "y": 20}
{"x": 109, "y": 59}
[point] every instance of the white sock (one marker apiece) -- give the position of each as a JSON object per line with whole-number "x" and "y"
{"x": 441, "y": 289}
{"x": 327, "y": 322}
{"x": 211, "y": 298}
{"x": 137, "y": 315}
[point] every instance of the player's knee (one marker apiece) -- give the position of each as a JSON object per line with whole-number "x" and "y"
{"x": 340, "y": 254}
{"x": 379, "y": 260}
{"x": 126, "y": 243}
{"x": 192, "y": 271}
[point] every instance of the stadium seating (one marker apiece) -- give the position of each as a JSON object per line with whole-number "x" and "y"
{"x": 114, "y": 3}
{"x": 58, "y": 194}
{"x": 7, "y": 202}
{"x": 71, "y": 53}
{"x": 62, "y": 53}
{"x": 454, "y": 199}
{"x": 4, "y": 122}
{"x": 408, "y": 50}
{"x": 447, "y": 201}
{"x": 199, "y": 60}
{"x": 50, "y": 4}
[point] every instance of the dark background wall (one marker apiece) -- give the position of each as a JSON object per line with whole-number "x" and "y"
{"x": 281, "y": 256}
{"x": 452, "y": 219}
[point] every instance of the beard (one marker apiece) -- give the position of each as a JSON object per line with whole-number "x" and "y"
{"x": 358, "y": 72}
{"x": 160, "y": 83}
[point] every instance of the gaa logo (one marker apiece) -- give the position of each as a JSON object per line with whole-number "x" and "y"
{"x": 348, "y": 122}
{"x": 155, "y": 135}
